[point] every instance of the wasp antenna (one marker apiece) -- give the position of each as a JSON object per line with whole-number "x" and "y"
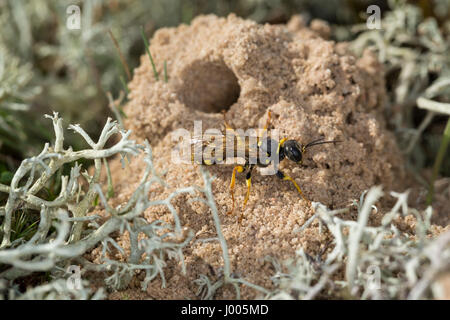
{"x": 319, "y": 141}
{"x": 315, "y": 141}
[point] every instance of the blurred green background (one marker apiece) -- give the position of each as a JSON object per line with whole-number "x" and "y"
{"x": 46, "y": 67}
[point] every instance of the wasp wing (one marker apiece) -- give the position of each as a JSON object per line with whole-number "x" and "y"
{"x": 212, "y": 149}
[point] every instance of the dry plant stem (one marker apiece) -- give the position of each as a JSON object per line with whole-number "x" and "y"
{"x": 121, "y": 56}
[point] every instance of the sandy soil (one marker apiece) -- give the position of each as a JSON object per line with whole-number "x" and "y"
{"x": 313, "y": 87}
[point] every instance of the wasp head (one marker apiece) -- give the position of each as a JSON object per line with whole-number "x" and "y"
{"x": 294, "y": 150}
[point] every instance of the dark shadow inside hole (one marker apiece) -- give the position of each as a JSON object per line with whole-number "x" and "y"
{"x": 208, "y": 86}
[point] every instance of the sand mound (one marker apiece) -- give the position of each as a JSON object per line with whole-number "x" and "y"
{"x": 312, "y": 86}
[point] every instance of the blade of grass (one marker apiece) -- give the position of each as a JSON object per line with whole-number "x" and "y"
{"x": 438, "y": 161}
{"x": 149, "y": 54}
{"x": 124, "y": 84}
{"x": 165, "y": 72}
{"x": 110, "y": 192}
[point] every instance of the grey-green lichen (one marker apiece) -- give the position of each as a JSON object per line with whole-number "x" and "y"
{"x": 379, "y": 262}
{"x": 415, "y": 52}
{"x": 61, "y": 237}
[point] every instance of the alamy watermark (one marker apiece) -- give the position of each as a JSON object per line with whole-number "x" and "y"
{"x": 374, "y": 18}
{"x": 73, "y": 21}
{"x": 374, "y": 277}
{"x": 74, "y": 281}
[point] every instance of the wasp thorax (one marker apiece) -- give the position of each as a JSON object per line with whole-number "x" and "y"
{"x": 293, "y": 150}
{"x": 269, "y": 149}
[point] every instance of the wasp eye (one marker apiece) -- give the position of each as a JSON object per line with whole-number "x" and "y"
{"x": 293, "y": 151}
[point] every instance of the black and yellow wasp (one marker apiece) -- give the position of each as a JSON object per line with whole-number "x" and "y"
{"x": 261, "y": 151}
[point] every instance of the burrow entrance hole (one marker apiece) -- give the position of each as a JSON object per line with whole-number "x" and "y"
{"x": 208, "y": 86}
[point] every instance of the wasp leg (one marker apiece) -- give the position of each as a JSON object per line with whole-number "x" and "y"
{"x": 269, "y": 117}
{"x": 248, "y": 179}
{"x": 283, "y": 176}
{"x": 229, "y": 128}
{"x": 232, "y": 183}
{"x": 264, "y": 130}
{"x": 266, "y": 126}
{"x": 280, "y": 144}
